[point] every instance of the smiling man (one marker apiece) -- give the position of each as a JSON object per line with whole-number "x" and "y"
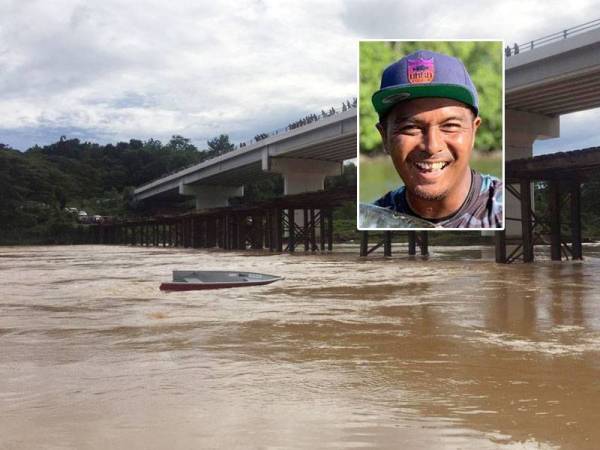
{"x": 428, "y": 119}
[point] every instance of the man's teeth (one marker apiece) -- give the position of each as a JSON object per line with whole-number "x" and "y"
{"x": 431, "y": 166}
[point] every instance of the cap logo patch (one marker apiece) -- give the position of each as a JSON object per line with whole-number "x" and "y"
{"x": 420, "y": 70}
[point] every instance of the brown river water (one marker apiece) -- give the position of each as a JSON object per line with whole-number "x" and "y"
{"x": 441, "y": 353}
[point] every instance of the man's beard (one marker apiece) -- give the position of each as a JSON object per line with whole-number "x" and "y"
{"x": 420, "y": 193}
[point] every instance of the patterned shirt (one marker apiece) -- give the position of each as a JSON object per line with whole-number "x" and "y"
{"x": 481, "y": 209}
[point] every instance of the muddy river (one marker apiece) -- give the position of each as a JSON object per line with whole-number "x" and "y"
{"x": 453, "y": 351}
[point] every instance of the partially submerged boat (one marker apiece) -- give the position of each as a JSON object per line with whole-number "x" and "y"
{"x": 192, "y": 280}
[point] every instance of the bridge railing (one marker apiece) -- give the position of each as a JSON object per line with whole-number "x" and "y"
{"x": 244, "y": 144}
{"x": 559, "y": 35}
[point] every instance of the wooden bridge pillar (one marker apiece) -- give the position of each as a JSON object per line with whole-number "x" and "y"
{"x": 220, "y": 230}
{"x": 201, "y": 236}
{"x": 226, "y": 230}
{"x": 291, "y": 230}
{"x": 211, "y": 232}
{"x": 269, "y": 232}
{"x": 279, "y": 229}
{"x": 187, "y": 232}
{"x": 321, "y": 218}
{"x": 256, "y": 231}
{"x": 239, "y": 232}
{"x": 313, "y": 232}
{"x": 329, "y": 216}
{"x": 163, "y": 229}
{"x": 526, "y": 224}
{"x": 575, "y": 194}
{"x": 500, "y": 246}
{"x": 240, "y": 225}
{"x": 364, "y": 243}
{"x": 176, "y": 230}
{"x": 387, "y": 243}
{"x": 412, "y": 243}
{"x": 193, "y": 232}
{"x": 555, "y": 237}
{"x": 424, "y": 242}
{"x": 305, "y": 233}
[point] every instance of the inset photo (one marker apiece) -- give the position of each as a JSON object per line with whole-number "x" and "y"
{"x": 431, "y": 137}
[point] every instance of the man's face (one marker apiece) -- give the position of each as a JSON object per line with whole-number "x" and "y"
{"x": 430, "y": 141}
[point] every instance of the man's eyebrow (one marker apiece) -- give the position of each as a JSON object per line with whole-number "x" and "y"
{"x": 455, "y": 117}
{"x": 405, "y": 119}
{"x": 410, "y": 118}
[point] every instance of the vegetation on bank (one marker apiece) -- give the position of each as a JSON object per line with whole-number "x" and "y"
{"x": 38, "y": 186}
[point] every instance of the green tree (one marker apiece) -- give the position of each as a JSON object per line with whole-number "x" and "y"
{"x": 180, "y": 144}
{"x": 220, "y": 145}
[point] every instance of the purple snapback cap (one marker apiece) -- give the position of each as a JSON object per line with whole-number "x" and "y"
{"x": 425, "y": 74}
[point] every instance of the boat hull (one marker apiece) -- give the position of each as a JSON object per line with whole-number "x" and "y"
{"x": 185, "y": 286}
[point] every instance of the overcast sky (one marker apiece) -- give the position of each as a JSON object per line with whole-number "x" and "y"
{"x": 113, "y": 70}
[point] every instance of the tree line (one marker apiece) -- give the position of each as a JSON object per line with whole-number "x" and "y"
{"x": 36, "y": 186}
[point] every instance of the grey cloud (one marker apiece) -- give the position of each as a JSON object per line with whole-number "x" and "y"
{"x": 386, "y": 19}
{"x": 514, "y": 21}
{"x": 130, "y": 100}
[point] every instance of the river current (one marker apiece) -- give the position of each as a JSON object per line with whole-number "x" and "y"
{"x": 450, "y": 351}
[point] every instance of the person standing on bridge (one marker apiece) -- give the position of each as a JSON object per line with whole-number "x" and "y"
{"x": 428, "y": 117}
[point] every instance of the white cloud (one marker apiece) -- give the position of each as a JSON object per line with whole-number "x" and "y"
{"x": 158, "y": 68}
{"x": 117, "y": 69}
{"x": 513, "y": 20}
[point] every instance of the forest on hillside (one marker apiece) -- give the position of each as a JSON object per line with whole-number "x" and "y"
{"x": 38, "y": 186}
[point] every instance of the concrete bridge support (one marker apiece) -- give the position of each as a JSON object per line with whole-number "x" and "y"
{"x": 211, "y": 196}
{"x": 303, "y": 175}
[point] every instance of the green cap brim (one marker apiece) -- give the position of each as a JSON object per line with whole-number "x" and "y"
{"x": 385, "y": 99}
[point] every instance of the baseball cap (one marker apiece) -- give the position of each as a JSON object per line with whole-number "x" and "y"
{"x": 425, "y": 74}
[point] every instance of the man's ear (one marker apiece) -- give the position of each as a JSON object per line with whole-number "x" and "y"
{"x": 382, "y": 132}
{"x": 476, "y": 123}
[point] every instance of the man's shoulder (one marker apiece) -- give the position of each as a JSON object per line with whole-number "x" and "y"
{"x": 394, "y": 200}
{"x": 489, "y": 182}
{"x": 491, "y": 187}
{"x": 485, "y": 210}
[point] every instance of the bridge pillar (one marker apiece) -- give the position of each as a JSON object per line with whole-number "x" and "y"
{"x": 210, "y": 196}
{"x": 522, "y": 129}
{"x": 303, "y": 175}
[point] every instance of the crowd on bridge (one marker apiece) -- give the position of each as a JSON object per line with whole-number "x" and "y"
{"x": 308, "y": 119}
{"x": 515, "y": 50}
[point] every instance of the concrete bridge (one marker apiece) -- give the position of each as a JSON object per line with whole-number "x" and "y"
{"x": 555, "y": 75}
{"x": 304, "y": 156}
